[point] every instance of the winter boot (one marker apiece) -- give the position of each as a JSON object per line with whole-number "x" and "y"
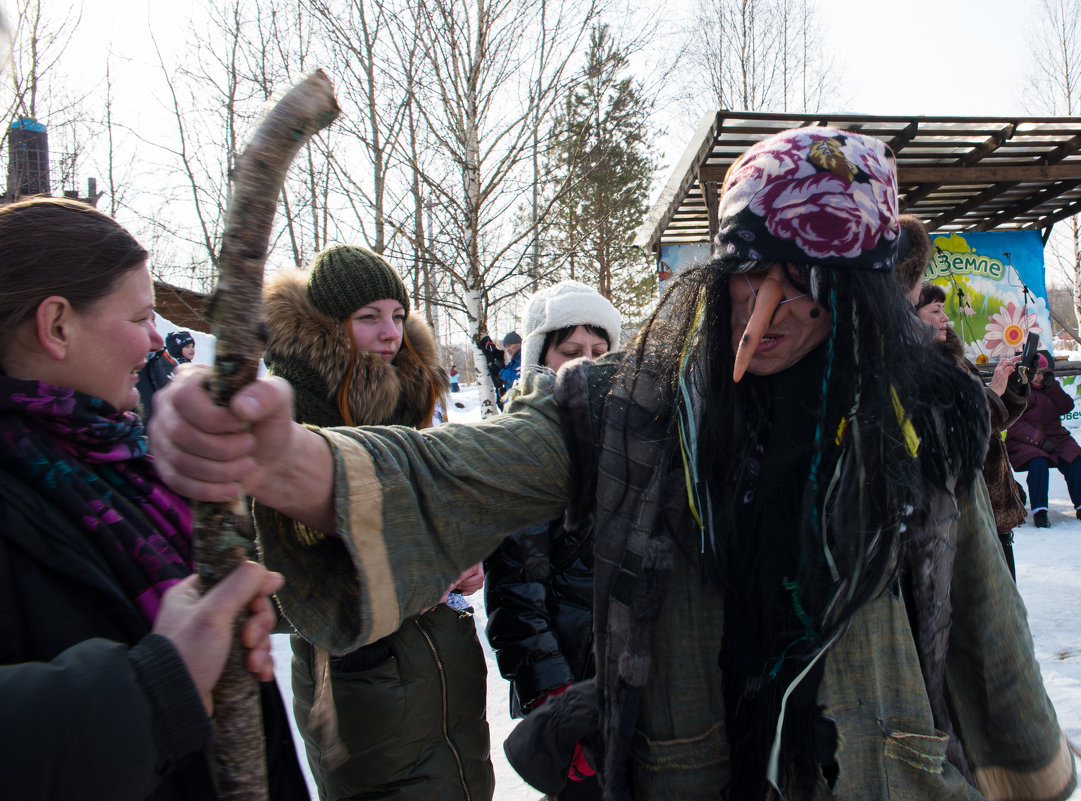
{"x": 1077, "y": 513}
{"x": 1039, "y": 519}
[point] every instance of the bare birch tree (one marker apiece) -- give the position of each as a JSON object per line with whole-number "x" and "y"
{"x": 1055, "y": 88}
{"x": 759, "y": 55}
{"x": 239, "y": 55}
{"x": 490, "y": 75}
{"x": 372, "y": 59}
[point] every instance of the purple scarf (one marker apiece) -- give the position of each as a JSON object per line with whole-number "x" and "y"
{"x": 91, "y": 462}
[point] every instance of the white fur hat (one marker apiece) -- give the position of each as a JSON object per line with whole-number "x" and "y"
{"x": 559, "y": 306}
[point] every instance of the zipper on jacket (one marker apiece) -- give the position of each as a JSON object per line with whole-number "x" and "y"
{"x": 443, "y": 688}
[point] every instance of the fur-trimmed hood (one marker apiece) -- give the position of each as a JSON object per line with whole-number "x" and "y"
{"x": 315, "y": 354}
{"x": 913, "y": 254}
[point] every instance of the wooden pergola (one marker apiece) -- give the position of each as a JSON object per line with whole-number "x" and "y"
{"x": 954, "y": 173}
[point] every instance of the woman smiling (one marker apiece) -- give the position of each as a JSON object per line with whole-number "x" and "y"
{"x": 94, "y": 549}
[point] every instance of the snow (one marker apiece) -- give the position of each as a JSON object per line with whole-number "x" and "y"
{"x": 1048, "y": 576}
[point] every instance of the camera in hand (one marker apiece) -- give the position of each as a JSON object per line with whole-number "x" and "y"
{"x": 1029, "y": 355}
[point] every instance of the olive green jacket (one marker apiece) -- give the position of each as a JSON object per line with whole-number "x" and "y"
{"x": 415, "y": 508}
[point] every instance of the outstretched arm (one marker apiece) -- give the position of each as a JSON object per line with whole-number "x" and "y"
{"x": 213, "y": 453}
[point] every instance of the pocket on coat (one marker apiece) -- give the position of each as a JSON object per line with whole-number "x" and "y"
{"x": 679, "y": 768}
{"x": 917, "y": 769}
{"x": 370, "y": 703}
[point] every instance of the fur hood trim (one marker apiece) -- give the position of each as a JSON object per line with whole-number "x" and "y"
{"x": 912, "y": 263}
{"x": 315, "y": 353}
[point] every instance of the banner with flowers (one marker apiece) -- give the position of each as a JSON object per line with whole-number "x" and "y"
{"x": 995, "y": 292}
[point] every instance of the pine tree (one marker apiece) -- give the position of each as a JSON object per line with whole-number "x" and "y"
{"x": 601, "y": 141}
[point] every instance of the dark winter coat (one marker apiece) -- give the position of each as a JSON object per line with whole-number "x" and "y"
{"x": 403, "y": 717}
{"x": 411, "y": 724}
{"x": 79, "y": 655}
{"x": 1002, "y": 487}
{"x": 1039, "y": 431}
{"x": 539, "y": 598}
{"x": 155, "y": 374}
{"x": 510, "y": 373}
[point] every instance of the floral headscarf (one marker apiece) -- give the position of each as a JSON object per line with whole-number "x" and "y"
{"x": 811, "y": 196}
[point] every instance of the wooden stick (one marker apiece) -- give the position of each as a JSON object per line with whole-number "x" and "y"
{"x": 222, "y": 532}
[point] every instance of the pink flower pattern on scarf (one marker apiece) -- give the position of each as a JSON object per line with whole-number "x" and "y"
{"x": 831, "y": 194}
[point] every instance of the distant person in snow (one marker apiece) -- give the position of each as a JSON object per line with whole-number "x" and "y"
{"x": 154, "y": 375}
{"x": 107, "y": 653}
{"x": 512, "y": 348}
{"x": 179, "y": 349}
{"x": 798, "y": 590}
{"x": 1038, "y": 441}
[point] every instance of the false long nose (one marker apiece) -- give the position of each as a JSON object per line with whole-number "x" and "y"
{"x": 769, "y": 298}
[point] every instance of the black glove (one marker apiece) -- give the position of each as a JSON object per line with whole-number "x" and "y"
{"x": 1048, "y": 446}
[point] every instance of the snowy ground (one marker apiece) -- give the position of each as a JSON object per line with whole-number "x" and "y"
{"x": 1048, "y": 574}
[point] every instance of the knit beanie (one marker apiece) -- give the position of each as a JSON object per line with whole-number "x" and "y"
{"x": 345, "y": 277}
{"x": 561, "y": 305}
{"x": 176, "y": 341}
{"x": 811, "y": 196}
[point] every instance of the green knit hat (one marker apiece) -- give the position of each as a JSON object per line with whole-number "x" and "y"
{"x": 346, "y": 277}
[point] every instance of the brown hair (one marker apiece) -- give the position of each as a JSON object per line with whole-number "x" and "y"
{"x": 930, "y": 293}
{"x": 55, "y": 246}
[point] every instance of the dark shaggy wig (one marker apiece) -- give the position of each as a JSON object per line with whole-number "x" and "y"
{"x": 871, "y": 392}
{"x": 873, "y": 353}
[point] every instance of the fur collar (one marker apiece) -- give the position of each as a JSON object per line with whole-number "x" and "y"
{"x": 315, "y": 354}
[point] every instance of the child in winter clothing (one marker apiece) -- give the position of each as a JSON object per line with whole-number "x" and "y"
{"x": 181, "y": 346}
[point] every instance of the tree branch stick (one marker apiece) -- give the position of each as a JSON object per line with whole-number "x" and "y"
{"x": 222, "y": 532}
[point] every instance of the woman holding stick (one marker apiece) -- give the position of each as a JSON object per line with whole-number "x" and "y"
{"x": 95, "y": 551}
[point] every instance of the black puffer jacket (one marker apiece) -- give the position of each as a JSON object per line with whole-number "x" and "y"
{"x": 155, "y": 374}
{"x": 539, "y": 597}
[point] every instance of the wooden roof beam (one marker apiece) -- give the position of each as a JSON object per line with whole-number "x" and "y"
{"x": 1068, "y": 211}
{"x": 972, "y": 203}
{"x": 904, "y": 136}
{"x": 914, "y": 196}
{"x": 1020, "y": 173}
{"x": 989, "y": 145}
{"x": 1028, "y": 204}
{"x": 1067, "y": 148}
